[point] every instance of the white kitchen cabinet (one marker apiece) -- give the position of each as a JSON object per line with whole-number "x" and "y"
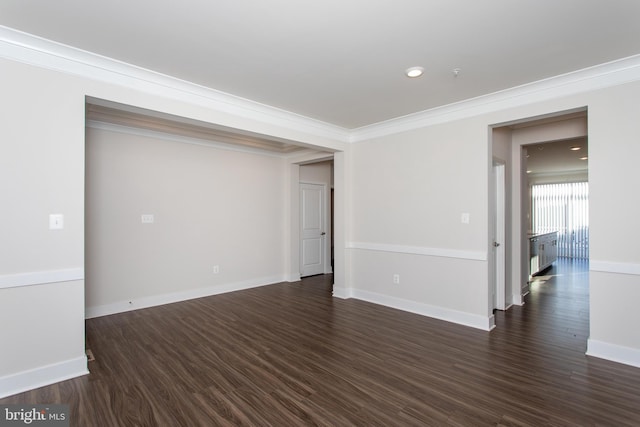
{"x": 543, "y": 251}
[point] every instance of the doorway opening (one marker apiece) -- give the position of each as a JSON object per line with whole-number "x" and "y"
{"x": 559, "y": 162}
{"x": 498, "y": 228}
{"x": 180, "y": 197}
{"x": 563, "y": 208}
{"x": 316, "y": 218}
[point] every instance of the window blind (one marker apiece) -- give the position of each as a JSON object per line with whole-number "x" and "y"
{"x": 563, "y": 208}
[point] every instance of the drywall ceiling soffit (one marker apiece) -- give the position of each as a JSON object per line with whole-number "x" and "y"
{"x": 342, "y": 62}
{"x": 547, "y": 140}
{"x": 557, "y": 157}
{"x": 186, "y": 130}
{"x": 560, "y": 116}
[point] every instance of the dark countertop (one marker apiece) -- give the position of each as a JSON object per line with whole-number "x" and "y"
{"x": 535, "y": 236}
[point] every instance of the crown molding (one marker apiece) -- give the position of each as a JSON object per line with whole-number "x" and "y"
{"x": 597, "y": 77}
{"x": 26, "y": 48}
{"x": 33, "y": 50}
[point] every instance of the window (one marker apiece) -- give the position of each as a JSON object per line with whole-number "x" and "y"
{"x": 563, "y": 208}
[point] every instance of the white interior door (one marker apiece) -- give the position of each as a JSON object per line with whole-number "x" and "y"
{"x": 499, "y": 240}
{"x": 312, "y": 229}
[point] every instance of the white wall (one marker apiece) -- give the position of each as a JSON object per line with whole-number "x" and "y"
{"x": 318, "y": 173}
{"x": 210, "y": 206}
{"x": 398, "y": 204}
{"x": 41, "y": 173}
{"x": 408, "y": 193}
{"x": 615, "y": 259}
{"x": 42, "y": 142}
{"x": 501, "y": 144}
{"x": 433, "y": 174}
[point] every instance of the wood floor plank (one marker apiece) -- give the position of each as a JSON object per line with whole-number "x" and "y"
{"x": 290, "y": 354}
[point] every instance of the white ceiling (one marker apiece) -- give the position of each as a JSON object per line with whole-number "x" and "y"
{"x": 558, "y": 157}
{"x": 343, "y": 61}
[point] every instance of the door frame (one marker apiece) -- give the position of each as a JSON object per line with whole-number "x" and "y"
{"x": 326, "y": 212}
{"x": 499, "y": 236}
{"x": 518, "y": 210}
{"x": 292, "y": 218}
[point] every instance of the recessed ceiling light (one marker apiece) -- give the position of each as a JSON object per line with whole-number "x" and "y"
{"x": 584, "y": 158}
{"x": 575, "y": 148}
{"x": 414, "y": 72}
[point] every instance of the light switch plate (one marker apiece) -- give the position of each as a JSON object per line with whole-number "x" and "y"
{"x": 465, "y": 218}
{"x": 56, "y": 222}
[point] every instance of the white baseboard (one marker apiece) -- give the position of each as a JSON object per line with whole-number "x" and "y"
{"x": 342, "y": 293}
{"x": 155, "y": 300}
{"x": 614, "y": 352}
{"x": 473, "y": 320}
{"x": 518, "y": 299}
{"x": 293, "y": 278}
{"x": 42, "y": 376}
{"x": 492, "y": 322}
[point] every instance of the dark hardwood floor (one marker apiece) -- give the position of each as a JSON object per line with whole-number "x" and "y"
{"x": 290, "y": 354}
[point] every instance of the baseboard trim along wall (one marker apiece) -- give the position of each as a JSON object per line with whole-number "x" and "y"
{"x": 517, "y": 299}
{"x": 613, "y": 352}
{"x": 342, "y": 293}
{"x": 42, "y": 376}
{"x": 454, "y": 316}
{"x": 155, "y": 300}
{"x": 293, "y": 277}
{"x": 41, "y": 277}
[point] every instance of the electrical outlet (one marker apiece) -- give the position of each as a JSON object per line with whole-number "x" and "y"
{"x": 396, "y": 279}
{"x": 147, "y": 218}
{"x": 216, "y": 269}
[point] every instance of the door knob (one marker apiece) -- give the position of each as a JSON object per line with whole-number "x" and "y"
{"x": 496, "y": 244}
{"x": 323, "y": 233}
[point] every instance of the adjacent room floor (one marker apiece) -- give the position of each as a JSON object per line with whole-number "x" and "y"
{"x": 290, "y": 354}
